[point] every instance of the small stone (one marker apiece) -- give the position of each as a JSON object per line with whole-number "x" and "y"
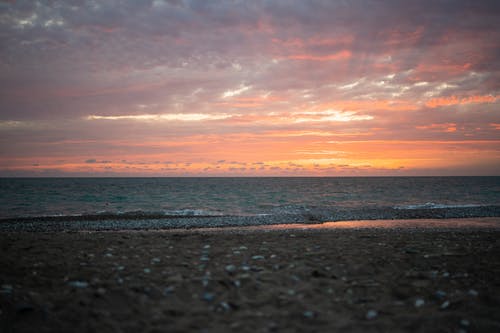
{"x": 243, "y": 247}
{"x": 419, "y": 302}
{"x": 101, "y": 291}
{"x": 7, "y": 289}
{"x": 309, "y": 314}
{"x": 473, "y": 292}
{"x": 206, "y": 247}
{"x": 168, "y": 290}
{"x": 258, "y": 257}
{"x": 273, "y": 256}
{"x": 446, "y": 274}
{"x": 440, "y": 294}
{"x": 108, "y": 255}
{"x": 224, "y": 306}
{"x": 208, "y": 297}
{"x": 155, "y": 260}
{"x": 464, "y": 322}
{"x": 230, "y": 268}
{"x": 147, "y": 270}
{"x": 445, "y": 305}
{"x": 78, "y": 284}
{"x": 371, "y": 314}
{"x": 245, "y": 268}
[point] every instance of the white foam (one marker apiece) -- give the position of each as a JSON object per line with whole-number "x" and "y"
{"x": 432, "y": 205}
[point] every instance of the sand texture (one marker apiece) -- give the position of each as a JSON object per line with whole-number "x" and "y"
{"x": 290, "y": 280}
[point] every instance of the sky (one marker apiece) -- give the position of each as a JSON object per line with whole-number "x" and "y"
{"x": 249, "y": 88}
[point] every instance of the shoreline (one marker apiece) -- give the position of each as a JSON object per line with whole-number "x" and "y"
{"x": 310, "y": 217}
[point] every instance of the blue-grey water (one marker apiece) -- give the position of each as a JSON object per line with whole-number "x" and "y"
{"x": 171, "y": 197}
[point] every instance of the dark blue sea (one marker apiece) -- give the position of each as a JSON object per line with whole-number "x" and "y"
{"x": 300, "y": 199}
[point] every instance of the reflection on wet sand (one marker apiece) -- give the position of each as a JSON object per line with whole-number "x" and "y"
{"x": 464, "y": 223}
{"x": 416, "y": 223}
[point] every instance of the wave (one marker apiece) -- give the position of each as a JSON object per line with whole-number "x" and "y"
{"x": 109, "y": 215}
{"x": 432, "y": 205}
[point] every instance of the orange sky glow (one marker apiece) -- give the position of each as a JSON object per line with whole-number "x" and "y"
{"x": 187, "y": 88}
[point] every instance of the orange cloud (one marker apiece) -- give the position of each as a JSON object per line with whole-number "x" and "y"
{"x": 454, "y": 100}
{"x": 447, "y": 127}
{"x": 341, "y": 55}
{"x": 366, "y": 105}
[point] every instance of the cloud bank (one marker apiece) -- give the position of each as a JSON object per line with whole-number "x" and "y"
{"x": 316, "y": 88}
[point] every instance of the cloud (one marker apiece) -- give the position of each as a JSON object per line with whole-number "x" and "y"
{"x": 454, "y": 100}
{"x": 179, "y": 79}
{"x": 164, "y": 117}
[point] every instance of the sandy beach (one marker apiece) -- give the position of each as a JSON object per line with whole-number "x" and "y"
{"x": 397, "y": 278}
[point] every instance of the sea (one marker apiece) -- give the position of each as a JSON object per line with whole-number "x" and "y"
{"x": 242, "y": 200}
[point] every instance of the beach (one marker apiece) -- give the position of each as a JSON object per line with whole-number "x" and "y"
{"x": 420, "y": 276}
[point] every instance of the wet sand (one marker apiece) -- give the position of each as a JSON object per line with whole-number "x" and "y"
{"x": 399, "y": 277}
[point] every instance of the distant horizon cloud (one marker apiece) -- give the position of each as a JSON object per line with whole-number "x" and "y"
{"x": 278, "y": 87}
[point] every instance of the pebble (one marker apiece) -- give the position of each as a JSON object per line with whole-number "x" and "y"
{"x": 309, "y": 314}
{"x": 78, "y": 284}
{"x": 101, "y": 291}
{"x": 440, "y": 294}
{"x": 120, "y": 268}
{"x": 473, "y": 292}
{"x": 230, "y": 268}
{"x": 371, "y": 314}
{"x": 155, "y": 260}
{"x": 445, "y": 304}
{"x": 208, "y": 297}
{"x": 464, "y": 322}
{"x": 147, "y": 270}
{"x": 224, "y": 306}
{"x": 419, "y": 302}
{"x": 168, "y": 290}
{"x": 7, "y": 289}
{"x": 206, "y": 246}
{"x": 258, "y": 257}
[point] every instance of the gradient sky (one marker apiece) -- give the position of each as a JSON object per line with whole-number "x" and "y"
{"x": 175, "y": 88}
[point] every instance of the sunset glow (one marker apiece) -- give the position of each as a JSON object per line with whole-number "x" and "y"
{"x": 250, "y": 88}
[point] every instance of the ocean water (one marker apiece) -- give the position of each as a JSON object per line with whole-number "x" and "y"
{"x": 306, "y": 198}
